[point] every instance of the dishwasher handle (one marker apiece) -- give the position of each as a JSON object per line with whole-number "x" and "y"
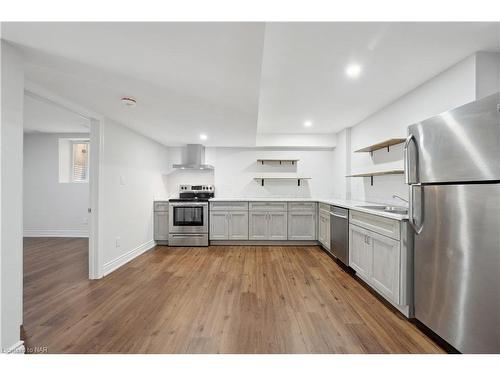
{"x": 337, "y": 215}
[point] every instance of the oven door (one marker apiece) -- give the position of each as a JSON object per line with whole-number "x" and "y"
{"x": 188, "y": 217}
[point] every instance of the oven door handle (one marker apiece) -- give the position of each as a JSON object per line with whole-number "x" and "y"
{"x": 189, "y": 204}
{"x": 187, "y": 235}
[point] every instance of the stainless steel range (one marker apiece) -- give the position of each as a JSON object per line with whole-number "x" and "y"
{"x": 188, "y": 216}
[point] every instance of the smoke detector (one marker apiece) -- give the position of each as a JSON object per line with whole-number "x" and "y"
{"x": 128, "y": 102}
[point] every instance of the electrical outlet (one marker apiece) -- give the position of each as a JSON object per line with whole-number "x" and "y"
{"x": 118, "y": 240}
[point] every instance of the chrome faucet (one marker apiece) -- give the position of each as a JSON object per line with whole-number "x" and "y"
{"x": 397, "y": 196}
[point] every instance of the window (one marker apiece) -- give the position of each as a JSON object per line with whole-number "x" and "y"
{"x": 73, "y": 160}
{"x": 80, "y": 162}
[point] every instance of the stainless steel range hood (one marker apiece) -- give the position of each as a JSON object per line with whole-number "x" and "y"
{"x": 194, "y": 158}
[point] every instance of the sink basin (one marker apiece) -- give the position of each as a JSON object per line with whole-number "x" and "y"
{"x": 393, "y": 209}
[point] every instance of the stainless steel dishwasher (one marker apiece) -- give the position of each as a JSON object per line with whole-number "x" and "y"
{"x": 339, "y": 233}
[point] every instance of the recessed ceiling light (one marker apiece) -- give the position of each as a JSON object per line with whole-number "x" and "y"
{"x": 203, "y": 137}
{"x": 128, "y": 102}
{"x": 353, "y": 70}
{"x": 308, "y": 124}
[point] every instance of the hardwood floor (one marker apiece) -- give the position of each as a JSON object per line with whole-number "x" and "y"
{"x": 221, "y": 299}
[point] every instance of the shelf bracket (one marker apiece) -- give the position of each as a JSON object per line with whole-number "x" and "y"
{"x": 262, "y": 182}
{"x": 371, "y": 180}
{"x": 262, "y": 161}
{"x": 298, "y": 182}
{"x": 293, "y": 162}
{"x": 280, "y": 162}
{"x": 388, "y": 148}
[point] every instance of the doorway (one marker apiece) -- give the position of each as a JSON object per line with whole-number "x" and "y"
{"x": 61, "y": 169}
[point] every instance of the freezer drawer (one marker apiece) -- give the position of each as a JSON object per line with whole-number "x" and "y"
{"x": 457, "y": 263}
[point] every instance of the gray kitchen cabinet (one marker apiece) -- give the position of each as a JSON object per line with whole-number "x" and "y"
{"x": 229, "y": 225}
{"x": 302, "y": 225}
{"x": 160, "y": 222}
{"x": 385, "y": 266}
{"x": 376, "y": 260}
{"x": 264, "y": 225}
{"x": 258, "y": 225}
{"x": 238, "y": 225}
{"x": 219, "y": 226}
{"x": 161, "y": 226}
{"x": 324, "y": 228}
{"x": 360, "y": 254}
{"x": 277, "y": 225}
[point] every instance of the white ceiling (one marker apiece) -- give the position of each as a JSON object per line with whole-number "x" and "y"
{"x": 234, "y": 80}
{"x": 303, "y": 72}
{"x": 45, "y": 117}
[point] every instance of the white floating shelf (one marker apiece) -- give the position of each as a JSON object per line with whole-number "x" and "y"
{"x": 385, "y": 144}
{"x": 380, "y": 173}
{"x": 262, "y": 178}
{"x": 291, "y": 161}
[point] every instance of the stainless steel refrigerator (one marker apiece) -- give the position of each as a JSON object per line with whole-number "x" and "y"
{"x": 452, "y": 164}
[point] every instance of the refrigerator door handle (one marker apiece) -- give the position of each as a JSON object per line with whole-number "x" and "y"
{"x": 411, "y": 218}
{"x": 410, "y": 138}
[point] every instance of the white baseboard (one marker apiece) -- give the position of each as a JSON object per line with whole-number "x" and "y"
{"x": 127, "y": 257}
{"x": 17, "y": 348}
{"x": 55, "y": 233}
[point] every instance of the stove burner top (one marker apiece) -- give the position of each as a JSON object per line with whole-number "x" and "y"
{"x": 194, "y": 193}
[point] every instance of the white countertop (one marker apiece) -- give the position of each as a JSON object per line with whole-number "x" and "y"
{"x": 350, "y": 204}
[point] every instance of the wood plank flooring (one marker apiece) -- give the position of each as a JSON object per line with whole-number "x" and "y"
{"x": 221, "y": 299}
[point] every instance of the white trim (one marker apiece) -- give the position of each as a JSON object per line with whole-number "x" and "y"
{"x": 55, "y": 233}
{"x": 17, "y": 348}
{"x": 127, "y": 257}
{"x": 95, "y": 172}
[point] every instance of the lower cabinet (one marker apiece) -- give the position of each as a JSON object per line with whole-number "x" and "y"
{"x": 161, "y": 226}
{"x": 324, "y": 228}
{"x": 219, "y": 226}
{"x": 238, "y": 225}
{"x": 302, "y": 225}
{"x": 376, "y": 259}
{"x": 229, "y": 225}
{"x": 267, "y": 225}
{"x": 277, "y": 226}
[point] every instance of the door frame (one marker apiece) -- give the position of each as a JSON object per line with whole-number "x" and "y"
{"x": 95, "y": 166}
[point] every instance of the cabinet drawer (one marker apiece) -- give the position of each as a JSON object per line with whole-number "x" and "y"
{"x": 228, "y": 206}
{"x": 267, "y": 206}
{"x": 382, "y": 225}
{"x": 161, "y": 206}
{"x": 301, "y": 206}
{"x": 324, "y": 207}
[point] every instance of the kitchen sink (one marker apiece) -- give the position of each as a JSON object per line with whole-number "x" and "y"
{"x": 393, "y": 209}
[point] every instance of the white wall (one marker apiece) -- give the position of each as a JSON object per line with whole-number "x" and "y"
{"x": 325, "y": 140}
{"x": 341, "y": 165}
{"x": 11, "y": 220}
{"x": 235, "y": 169}
{"x": 133, "y": 170}
{"x": 451, "y": 88}
{"x": 51, "y": 208}
{"x": 487, "y": 74}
